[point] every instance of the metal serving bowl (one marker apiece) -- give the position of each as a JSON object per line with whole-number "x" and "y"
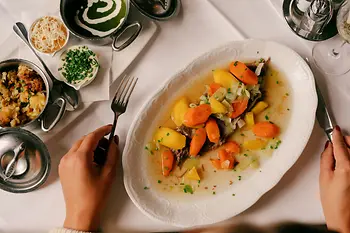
{"x": 33, "y": 166}
{"x": 68, "y": 9}
{"x": 13, "y": 64}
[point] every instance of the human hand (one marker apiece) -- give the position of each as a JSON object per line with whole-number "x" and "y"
{"x": 85, "y": 184}
{"x": 335, "y": 182}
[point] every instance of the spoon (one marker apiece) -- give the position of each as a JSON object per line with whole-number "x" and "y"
{"x": 11, "y": 166}
{"x": 69, "y": 93}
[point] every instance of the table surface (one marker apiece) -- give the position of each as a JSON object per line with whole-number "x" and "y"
{"x": 201, "y": 26}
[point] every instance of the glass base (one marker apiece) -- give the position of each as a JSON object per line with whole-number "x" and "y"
{"x": 331, "y": 57}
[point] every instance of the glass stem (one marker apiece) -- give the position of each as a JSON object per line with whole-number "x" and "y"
{"x": 336, "y": 51}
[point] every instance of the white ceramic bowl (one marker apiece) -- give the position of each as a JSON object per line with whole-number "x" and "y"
{"x": 30, "y": 34}
{"x": 203, "y": 210}
{"x": 82, "y": 83}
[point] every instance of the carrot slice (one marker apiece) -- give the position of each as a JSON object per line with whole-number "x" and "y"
{"x": 266, "y": 129}
{"x": 213, "y": 131}
{"x": 232, "y": 147}
{"x": 198, "y": 115}
{"x": 239, "y": 106}
{"x": 197, "y": 141}
{"x": 167, "y": 162}
{"x": 226, "y": 159}
{"x": 213, "y": 88}
{"x": 243, "y": 73}
{"x": 216, "y": 163}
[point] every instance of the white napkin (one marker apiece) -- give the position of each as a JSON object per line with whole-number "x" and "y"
{"x": 98, "y": 90}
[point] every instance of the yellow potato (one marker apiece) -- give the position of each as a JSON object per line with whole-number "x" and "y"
{"x": 216, "y": 106}
{"x": 192, "y": 174}
{"x": 224, "y": 78}
{"x": 179, "y": 110}
{"x": 259, "y": 107}
{"x": 249, "y": 119}
{"x": 256, "y": 144}
{"x": 170, "y": 138}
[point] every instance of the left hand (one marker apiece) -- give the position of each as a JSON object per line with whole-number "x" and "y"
{"x": 85, "y": 184}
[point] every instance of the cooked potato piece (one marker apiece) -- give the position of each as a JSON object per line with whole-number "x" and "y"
{"x": 179, "y": 111}
{"x": 216, "y": 106}
{"x": 259, "y": 107}
{"x": 170, "y": 138}
{"x": 224, "y": 78}
{"x": 249, "y": 119}
{"x": 192, "y": 174}
{"x": 256, "y": 144}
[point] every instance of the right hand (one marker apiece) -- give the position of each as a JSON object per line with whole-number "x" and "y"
{"x": 85, "y": 184}
{"x": 335, "y": 182}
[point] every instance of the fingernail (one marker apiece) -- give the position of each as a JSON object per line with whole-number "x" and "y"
{"x": 116, "y": 139}
{"x": 337, "y": 127}
{"x": 325, "y": 146}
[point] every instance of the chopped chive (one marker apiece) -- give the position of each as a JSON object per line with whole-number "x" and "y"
{"x": 159, "y": 181}
{"x": 239, "y": 177}
{"x": 233, "y": 194}
{"x": 245, "y": 155}
{"x": 214, "y": 193}
{"x": 267, "y": 117}
{"x": 145, "y": 188}
{"x": 167, "y": 134}
{"x": 236, "y": 63}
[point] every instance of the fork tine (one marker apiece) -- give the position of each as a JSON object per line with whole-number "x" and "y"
{"x": 119, "y": 88}
{"x": 122, "y": 90}
{"x": 125, "y": 91}
{"x": 132, "y": 89}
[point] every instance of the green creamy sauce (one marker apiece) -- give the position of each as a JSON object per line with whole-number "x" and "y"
{"x": 106, "y": 27}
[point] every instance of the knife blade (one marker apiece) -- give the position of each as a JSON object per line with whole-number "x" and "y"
{"x": 324, "y": 118}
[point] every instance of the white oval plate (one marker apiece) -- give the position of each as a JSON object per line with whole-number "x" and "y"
{"x": 214, "y": 208}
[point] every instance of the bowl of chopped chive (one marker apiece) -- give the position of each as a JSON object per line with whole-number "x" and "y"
{"x": 78, "y": 66}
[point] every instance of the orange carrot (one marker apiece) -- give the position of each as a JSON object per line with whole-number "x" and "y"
{"x": 198, "y": 115}
{"x": 232, "y": 147}
{"x": 266, "y": 129}
{"x": 224, "y": 157}
{"x": 213, "y": 88}
{"x": 216, "y": 163}
{"x": 213, "y": 131}
{"x": 167, "y": 162}
{"x": 243, "y": 73}
{"x": 197, "y": 141}
{"x": 239, "y": 106}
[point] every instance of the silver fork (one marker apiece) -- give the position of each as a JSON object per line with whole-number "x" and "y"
{"x": 121, "y": 100}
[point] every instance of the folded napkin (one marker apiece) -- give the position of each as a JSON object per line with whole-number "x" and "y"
{"x": 98, "y": 90}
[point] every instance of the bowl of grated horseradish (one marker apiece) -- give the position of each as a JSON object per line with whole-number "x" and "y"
{"x": 48, "y": 35}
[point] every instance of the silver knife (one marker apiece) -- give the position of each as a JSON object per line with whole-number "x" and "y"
{"x": 323, "y": 116}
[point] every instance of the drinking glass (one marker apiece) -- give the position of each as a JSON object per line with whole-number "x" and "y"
{"x": 333, "y": 55}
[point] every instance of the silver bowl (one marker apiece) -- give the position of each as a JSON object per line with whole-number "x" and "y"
{"x": 33, "y": 167}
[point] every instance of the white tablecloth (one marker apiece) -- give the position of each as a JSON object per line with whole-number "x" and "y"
{"x": 199, "y": 28}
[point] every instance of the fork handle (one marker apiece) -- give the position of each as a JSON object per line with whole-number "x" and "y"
{"x": 116, "y": 116}
{"x": 101, "y": 152}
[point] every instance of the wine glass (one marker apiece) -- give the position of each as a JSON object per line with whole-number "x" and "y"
{"x": 333, "y": 55}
